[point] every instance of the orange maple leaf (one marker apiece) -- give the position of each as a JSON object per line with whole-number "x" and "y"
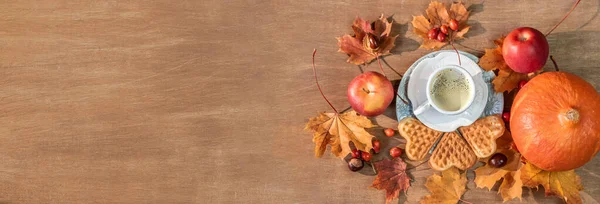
{"x": 507, "y": 79}
{"x": 391, "y": 177}
{"x": 358, "y": 46}
{"x": 564, "y": 184}
{"x": 338, "y": 130}
{"x": 438, "y": 15}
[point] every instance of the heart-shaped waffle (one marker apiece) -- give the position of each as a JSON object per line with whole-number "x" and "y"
{"x": 452, "y": 151}
{"x": 481, "y": 132}
{"x": 478, "y": 140}
{"x": 419, "y": 138}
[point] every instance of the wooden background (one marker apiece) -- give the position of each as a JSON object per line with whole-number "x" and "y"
{"x": 205, "y": 101}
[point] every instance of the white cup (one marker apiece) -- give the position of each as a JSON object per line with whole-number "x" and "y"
{"x": 431, "y": 80}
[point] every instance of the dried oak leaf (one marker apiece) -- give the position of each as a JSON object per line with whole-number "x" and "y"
{"x": 507, "y": 79}
{"x": 338, "y": 130}
{"x": 447, "y": 188}
{"x": 486, "y": 176}
{"x": 438, "y": 15}
{"x": 357, "y": 45}
{"x": 391, "y": 177}
{"x": 564, "y": 184}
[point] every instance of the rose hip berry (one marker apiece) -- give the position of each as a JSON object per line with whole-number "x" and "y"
{"x": 356, "y": 153}
{"x": 395, "y": 152}
{"x": 522, "y": 84}
{"x": 389, "y": 132}
{"x": 433, "y": 33}
{"x": 453, "y": 24}
{"x": 506, "y": 117}
{"x": 441, "y": 37}
{"x": 376, "y": 146}
{"x": 366, "y": 156}
{"x": 444, "y": 29}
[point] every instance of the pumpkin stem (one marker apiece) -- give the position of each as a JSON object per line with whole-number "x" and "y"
{"x": 570, "y": 118}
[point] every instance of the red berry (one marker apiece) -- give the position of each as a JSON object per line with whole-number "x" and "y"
{"x": 389, "y": 132}
{"x": 498, "y": 160}
{"x": 444, "y": 29}
{"x": 441, "y": 37}
{"x": 506, "y": 117}
{"x": 433, "y": 33}
{"x": 395, "y": 152}
{"x": 356, "y": 153}
{"x": 366, "y": 156}
{"x": 355, "y": 164}
{"x": 522, "y": 84}
{"x": 376, "y": 146}
{"x": 453, "y": 24}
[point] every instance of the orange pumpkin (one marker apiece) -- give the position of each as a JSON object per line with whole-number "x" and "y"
{"x": 555, "y": 121}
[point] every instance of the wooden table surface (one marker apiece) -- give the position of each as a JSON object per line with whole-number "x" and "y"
{"x": 205, "y": 101}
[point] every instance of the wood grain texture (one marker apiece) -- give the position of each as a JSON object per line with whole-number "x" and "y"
{"x": 204, "y": 101}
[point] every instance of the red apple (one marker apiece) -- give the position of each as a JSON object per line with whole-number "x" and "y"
{"x": 525, "y": 50}
{"x": 370, "y": 93}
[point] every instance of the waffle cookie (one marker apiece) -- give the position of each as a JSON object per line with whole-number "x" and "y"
{"x": 419, "y": 138}
{"x": 452, "y": 150}
{"x": 482, "y": 135}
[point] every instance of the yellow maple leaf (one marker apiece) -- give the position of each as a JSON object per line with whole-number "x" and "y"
{"x": 512, "y": 186}
{"x": 564, "y": 184}
{"x": 338, "y": 130}
{"x": 487, "y": 176}
{"x": 447, "y": 188}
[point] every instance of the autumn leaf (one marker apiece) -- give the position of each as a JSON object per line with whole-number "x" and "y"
{"x": 391, "y": 177}
{"x": 438, "y": 15}
{"x": 338, "y": 130}
{"x": 564, "y": 184}
{"x": 358, "y": 46}
{"x": 447, "y": 188}
{"x": 507, "y": 79}
{"x": 486, "y": 176}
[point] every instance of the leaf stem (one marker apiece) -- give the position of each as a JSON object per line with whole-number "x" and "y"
{"x": 452, "y": 44}
{"x": 403, "y": 101}
{"x": 459, "y": 63}
{"x": 317, "y": 81}
{"x": 373, "y": 167}
{"x": 464, "y": 201}
{"x": 554, "y": 62}
{"x": 563, "y": 19}
{"x": 380, "y": 67}
{"x": 414, "y": 167}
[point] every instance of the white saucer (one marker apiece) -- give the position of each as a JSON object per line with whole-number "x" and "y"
{"x": 431, "y": 117}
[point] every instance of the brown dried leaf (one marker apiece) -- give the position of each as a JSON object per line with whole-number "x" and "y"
{"x": 564, "y": 184}
{"x": 447, "y": 188}
{"x": 437, "y": 15}
{"x": 391, "y": 177}
{"x": 355, "y": 47}
{"x": 338, "y": 130}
